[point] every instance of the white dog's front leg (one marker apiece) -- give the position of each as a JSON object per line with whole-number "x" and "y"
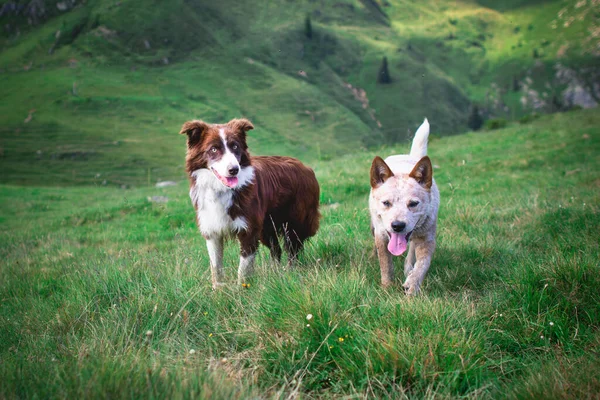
{"x": 409, "y": 263}
{"x": 246, "y": 267}
{"x": 423, "y": 252}
{"x": 215, "y": 253}
{"x": 386, "y": 264}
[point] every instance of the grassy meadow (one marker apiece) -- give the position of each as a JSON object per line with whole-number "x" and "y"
{"x": 104, "y": 278}
{"x": 106, "y": 294}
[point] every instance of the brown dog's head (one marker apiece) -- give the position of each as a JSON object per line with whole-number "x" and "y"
{"x": 220, "y": 148}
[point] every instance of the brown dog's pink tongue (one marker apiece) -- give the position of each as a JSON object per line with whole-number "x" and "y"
{"x": 397, "y": 244}
{"x": 231, "y": 182}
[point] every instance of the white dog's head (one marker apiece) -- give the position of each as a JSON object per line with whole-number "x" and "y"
{"x": 400, "y": 202}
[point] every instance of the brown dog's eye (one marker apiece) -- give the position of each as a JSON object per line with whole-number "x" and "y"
{"x": 413, "y": 203}
{"x": 213, "y": 149}
{"x": 234, "y": 146}
{"x": 387, "y": 203}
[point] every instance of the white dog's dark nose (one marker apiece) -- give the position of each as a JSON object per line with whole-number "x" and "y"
{"x": 233, "y": 171}
{"x": 398, "y": 226}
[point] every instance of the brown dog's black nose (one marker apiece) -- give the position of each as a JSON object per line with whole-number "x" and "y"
{"x": 398, "y": 226}
{"x": 233, "y": 171}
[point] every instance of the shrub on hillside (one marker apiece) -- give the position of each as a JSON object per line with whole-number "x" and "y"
{"x": 574, "y": 107}
{"x": 528, "y": 118}
{"x": 495, "y": 123}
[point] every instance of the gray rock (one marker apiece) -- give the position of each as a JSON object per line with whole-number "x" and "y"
{"x": 165, "y": 184}
{"x": 576, "y": 95}
{"x": 158, "y": 199}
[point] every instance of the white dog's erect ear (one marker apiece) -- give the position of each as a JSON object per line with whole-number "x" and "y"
{"x": 423, "y": 172}
{"x": 380, "y": 172}
{"x": 193, "y": 130}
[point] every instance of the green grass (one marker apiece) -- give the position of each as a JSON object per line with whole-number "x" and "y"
{"x": 105, "y": 294}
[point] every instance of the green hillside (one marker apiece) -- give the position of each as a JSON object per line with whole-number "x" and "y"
{"x": 107, "y": 294}
{"x": 102, "y": 87}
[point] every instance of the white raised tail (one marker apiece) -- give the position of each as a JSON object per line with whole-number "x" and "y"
{"x": 418, "y": 149}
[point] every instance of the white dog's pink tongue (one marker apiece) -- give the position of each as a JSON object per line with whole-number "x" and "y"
{"x": 397, "y": 244}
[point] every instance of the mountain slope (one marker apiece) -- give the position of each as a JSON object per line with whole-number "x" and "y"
{"x": 87, "y": 86}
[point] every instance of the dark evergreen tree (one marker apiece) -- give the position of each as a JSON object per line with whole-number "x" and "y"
{"x": 516, "y": 84}
{"x": 308, "y": 27}
{"x": 384, "y": 73}
{"x": 475, "y": 121}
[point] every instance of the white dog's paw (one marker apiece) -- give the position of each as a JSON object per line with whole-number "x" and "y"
{"x": 219, "y": 285}
{"x": 411, "y": 287}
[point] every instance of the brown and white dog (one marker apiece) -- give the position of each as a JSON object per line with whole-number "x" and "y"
{"x": 253, "y": 198}
{"x": 404, "y": 204}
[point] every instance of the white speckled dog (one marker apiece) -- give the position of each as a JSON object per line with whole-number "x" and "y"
{"x": 404, "y": 204}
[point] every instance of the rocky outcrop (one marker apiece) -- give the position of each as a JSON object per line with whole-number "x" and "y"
{"x": 582, "y": 88}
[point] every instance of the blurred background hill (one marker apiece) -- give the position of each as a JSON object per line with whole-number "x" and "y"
{"x": 94, "y": 92}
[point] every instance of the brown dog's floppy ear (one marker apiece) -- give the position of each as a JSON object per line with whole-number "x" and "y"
{"x": 423, "y": 172}
{"x": 380, "y": 172}
{"x": 242, "y": 124}
{"x": 194, "y": 130}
